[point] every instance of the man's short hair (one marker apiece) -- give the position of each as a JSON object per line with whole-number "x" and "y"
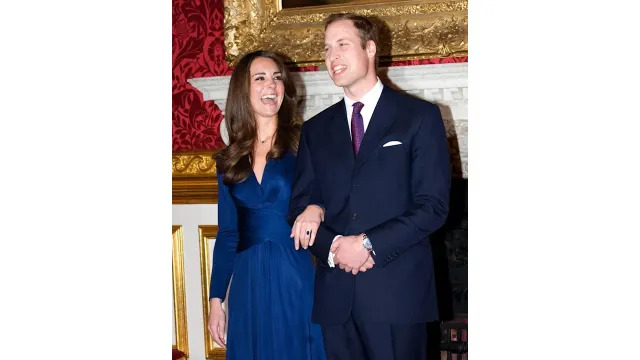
{"x": 366, "y": 28}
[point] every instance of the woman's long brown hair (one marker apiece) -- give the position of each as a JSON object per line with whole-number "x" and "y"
{"x": 234, "y": 161}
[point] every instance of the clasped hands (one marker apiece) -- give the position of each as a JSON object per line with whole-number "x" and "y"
{"x": 350, "y": 255}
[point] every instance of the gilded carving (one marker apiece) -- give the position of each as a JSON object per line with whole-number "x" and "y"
{"x": 416, "y": 29}
{"x": 193, "y": 164}
{"x": 194, "y": 178}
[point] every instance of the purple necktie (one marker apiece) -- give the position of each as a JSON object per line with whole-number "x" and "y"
{"x": 357, "y": 127}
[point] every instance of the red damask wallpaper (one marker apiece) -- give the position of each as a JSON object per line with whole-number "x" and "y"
{"x": 198, "y": 51}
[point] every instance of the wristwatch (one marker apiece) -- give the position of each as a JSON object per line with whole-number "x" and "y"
{"x": 366, "y": 243}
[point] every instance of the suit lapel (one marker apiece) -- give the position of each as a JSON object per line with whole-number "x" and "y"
{"x": 382, "y": 118}
{"x": 340, "y": 138}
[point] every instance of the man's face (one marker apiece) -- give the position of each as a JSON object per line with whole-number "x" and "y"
{"x": 347, "y": 62}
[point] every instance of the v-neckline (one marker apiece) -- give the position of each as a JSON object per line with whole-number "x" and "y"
{"x": 264, "y": 171}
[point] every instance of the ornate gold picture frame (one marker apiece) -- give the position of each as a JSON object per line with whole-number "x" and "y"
{"x": 412, "y": 29}
{"x": 179, "y": 291}
{"x": 207, "y": 234}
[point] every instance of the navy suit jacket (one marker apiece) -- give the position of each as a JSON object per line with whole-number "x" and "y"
{"x": 397, "y": 195}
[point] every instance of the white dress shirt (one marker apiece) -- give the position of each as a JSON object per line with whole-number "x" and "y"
{"x": 370, "y": 100}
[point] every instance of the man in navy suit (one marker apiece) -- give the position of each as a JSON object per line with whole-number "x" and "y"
{"x": 376, "y": 165}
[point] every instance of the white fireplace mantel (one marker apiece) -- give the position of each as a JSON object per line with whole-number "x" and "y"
{"x": 443, "y": 84}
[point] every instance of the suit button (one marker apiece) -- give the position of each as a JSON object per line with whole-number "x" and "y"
{"x": 355, "y": 216}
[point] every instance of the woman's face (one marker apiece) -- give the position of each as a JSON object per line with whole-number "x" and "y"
{"x": 267, "y": 90}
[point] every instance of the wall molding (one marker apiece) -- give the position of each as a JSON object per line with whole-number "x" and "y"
{"x": 193, "y": 177}
{"x": 205, "y": 233}
{"x": 179, "y": 291}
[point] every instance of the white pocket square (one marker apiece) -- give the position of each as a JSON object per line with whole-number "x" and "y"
{"x": 392, "y": 143}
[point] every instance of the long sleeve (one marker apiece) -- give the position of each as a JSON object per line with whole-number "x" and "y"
{"x": 305, "y": 192}
{"x": 430, "y": 183}
{"x": 224, "y": 251}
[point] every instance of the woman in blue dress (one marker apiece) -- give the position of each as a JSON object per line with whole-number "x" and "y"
{"x": 271, "y": 293}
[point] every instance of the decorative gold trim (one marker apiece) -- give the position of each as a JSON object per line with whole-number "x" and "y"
{"x": 179, "y": 290}
{"x": 207, "y": 232}
{"x": 194, "y": 177}
{"x": 416, "y": 29}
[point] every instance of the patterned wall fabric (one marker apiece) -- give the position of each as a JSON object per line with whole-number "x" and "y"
{"x": 198, "y": 51}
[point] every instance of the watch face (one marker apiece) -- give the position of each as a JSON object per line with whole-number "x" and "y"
{"x": 367, "y": 243}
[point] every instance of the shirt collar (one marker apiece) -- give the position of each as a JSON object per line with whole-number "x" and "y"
{"x": 370, "y": 99}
